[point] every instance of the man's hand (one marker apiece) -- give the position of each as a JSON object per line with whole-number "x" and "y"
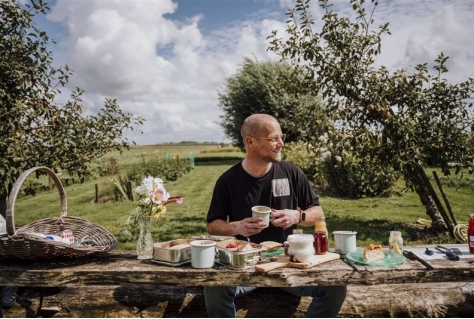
{"x": 285, "y": 218}
{"x": 250, "y": 226}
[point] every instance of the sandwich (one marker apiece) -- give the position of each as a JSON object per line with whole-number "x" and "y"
{"x": 270, "y": 246}
{"x": 373, "y": 253}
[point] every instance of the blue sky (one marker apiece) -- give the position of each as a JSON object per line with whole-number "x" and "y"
{"x": 166, "y": 60}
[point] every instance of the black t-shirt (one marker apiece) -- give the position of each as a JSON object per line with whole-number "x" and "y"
{"x": 285, "y": 186}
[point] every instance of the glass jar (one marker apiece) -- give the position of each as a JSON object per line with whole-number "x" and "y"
{"x": 395, "y": 242}
{"x": 320, "y": 224}
{"x": 470, "y": 234}
{"x": 300, "y": 247}
{"x": 321, "y": 244}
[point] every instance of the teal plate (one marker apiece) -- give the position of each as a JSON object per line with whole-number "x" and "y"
{"x": 277, "y": 252}
{"x": 391, "y": 259}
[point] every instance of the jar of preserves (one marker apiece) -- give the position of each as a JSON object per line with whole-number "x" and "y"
{"x": 470, "y": 234}
{"x": 395, "y": 242}
{"x": 320, "y": 224}
{"x": 321, "y": 244}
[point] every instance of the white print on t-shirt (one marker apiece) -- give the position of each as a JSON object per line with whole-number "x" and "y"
{"x": 281, "y": 187}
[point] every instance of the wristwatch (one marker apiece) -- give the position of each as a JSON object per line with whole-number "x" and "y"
{"x": 302, "y": 215}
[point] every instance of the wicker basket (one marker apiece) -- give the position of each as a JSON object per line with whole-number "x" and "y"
{"x": 27, "y": 243}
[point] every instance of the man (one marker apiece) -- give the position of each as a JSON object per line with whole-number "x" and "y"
{"x": 262, "y": 178}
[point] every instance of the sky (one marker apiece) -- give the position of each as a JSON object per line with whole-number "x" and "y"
{"x": 167, "y": 60}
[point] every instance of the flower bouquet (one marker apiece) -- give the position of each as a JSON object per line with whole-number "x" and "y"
{"x": 152, "y": 207}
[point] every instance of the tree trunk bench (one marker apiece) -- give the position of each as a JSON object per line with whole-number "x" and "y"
{"x": 449, "y": 300}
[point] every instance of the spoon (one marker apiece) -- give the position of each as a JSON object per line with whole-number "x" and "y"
{"x": 429, "y": 252}
{"x": 450, "y": 255}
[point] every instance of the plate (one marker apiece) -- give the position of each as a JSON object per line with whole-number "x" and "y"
{"x": 277, "y": 252}
{"x": 391, "y": 259}
{"x": 166, "y": 263}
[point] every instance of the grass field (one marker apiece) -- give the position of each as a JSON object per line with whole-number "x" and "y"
{"x": 372, "y": 218}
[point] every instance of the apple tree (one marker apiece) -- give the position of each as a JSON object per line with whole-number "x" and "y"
{"x": 418, "y": 116}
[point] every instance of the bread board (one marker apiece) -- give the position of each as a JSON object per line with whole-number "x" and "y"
{"x": 282, "y": 261}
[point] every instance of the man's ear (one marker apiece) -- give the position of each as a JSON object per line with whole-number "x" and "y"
{"x": 248, "y": 140}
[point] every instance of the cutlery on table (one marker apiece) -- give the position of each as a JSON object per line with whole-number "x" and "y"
{"x": 412, "y": 256}
{"x": 347, "y": 261}
{"x": 454, "y": 250}
{"x": 448, "y": 253}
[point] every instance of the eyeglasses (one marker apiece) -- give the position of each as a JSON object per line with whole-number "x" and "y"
{"x": 274, "y": 139}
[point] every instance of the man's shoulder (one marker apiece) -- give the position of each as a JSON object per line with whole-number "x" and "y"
{"x": 287, "y": 166}
{"x": 232, "y": 171}
{"x": 288, "y": 169}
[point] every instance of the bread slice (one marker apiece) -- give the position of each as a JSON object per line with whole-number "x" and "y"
{"x": 373, "y": 253}
{"x": 270, "y": 246}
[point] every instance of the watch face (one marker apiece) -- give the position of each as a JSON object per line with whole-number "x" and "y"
{"x": 303, "y": 216}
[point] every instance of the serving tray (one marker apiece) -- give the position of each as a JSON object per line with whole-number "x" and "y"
{"x": 284, "y": 261}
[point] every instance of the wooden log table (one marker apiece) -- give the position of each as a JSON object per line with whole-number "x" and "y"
{"x": 123, "y": 269}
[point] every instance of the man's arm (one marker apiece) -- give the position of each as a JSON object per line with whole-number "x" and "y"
{"x": 287, "y": 217}
{"x": 245, "y": 227}
{"x": 310, "y": 215}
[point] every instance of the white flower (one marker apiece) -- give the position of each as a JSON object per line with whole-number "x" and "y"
{"x": 155, "y": 197}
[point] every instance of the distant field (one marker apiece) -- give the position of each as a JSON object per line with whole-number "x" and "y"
{"x": 137, "y": 153}
{"x": 372, "y": 218}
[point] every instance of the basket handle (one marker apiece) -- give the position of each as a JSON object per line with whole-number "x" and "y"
{"x": 10, "y": 220}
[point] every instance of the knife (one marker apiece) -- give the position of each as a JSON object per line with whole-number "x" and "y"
{"x": 347, "y": 261}
{"x": 410, "y": 255}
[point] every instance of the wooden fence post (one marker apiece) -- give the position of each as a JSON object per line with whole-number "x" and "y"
{"x": 132, "y": 193}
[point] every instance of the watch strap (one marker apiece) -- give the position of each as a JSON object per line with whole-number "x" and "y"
{"x": 302, "y": 215}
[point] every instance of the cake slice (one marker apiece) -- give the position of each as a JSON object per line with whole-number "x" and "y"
{"x": 373, "y": 253}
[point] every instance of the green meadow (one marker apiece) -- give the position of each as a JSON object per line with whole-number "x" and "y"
{"x": 372, "y": 218}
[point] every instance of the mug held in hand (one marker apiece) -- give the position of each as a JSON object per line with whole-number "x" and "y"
{"x": 263, "y": 212}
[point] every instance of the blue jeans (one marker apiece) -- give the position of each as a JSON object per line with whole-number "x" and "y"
{"x": 326, "y": 303}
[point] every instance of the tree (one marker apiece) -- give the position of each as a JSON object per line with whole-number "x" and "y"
{"x": 257, "y": 88}
{"x": 36, "y": 131}
{"x": 419, "y": 116}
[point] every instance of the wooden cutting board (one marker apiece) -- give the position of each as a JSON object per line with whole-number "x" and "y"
{"x": 284, "y": 261}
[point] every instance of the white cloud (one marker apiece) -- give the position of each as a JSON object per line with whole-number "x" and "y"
{"x": 169, "y": 71}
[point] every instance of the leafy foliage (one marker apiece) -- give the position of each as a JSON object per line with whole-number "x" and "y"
{"x": 343, "y": 176}
{"x": 169, "y": 169}
{"x": 257, "y": 88}
{"x": 418, "y": 116}
{"x": 35, "y": 130}
{"x": 262, "y": 88}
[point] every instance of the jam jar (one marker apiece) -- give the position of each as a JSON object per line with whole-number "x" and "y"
{"x": 321, "y": 245}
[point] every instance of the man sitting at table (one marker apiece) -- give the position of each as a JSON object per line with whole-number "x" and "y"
{"x": 262, "y": 178}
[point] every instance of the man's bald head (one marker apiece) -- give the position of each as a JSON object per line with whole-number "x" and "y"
{"x": 257, "y": 125}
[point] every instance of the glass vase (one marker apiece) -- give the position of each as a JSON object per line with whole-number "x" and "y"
{"x": 145, "y": 239}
